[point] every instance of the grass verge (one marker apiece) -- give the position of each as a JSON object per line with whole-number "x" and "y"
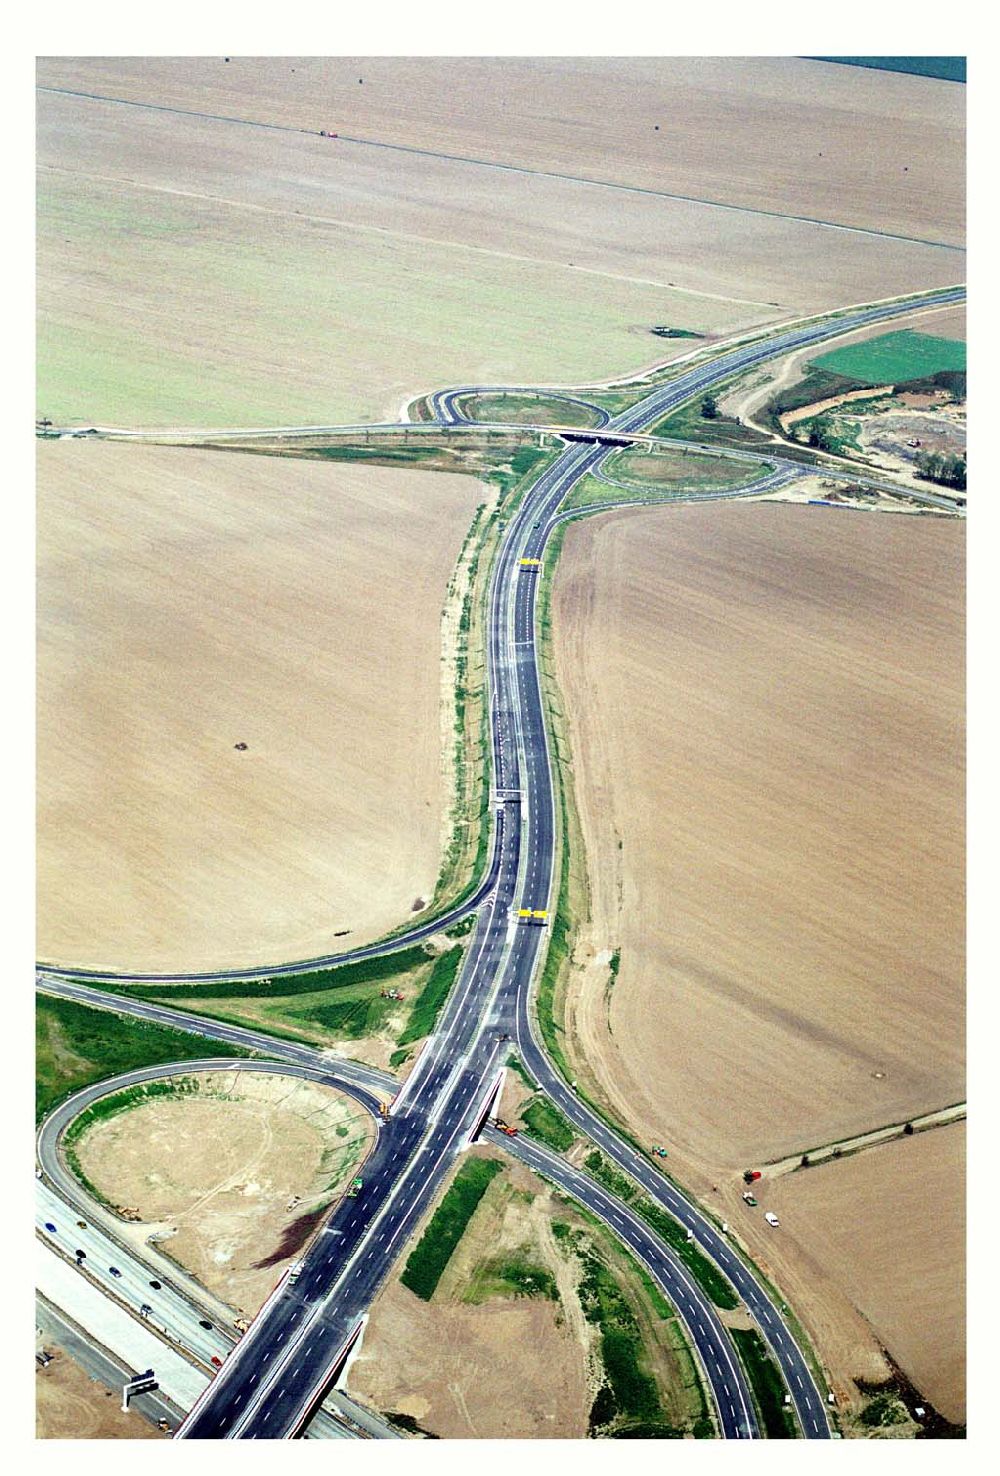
{"x": 545, "y": 1122}
{"x": 401, "y": 991}
{"x": 706, "y": 1273}
{"x": 76, "y": 1045}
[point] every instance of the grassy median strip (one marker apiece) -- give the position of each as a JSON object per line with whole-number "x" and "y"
{"x": 365, "y": 971}
{"x": 704, "y": 1271}
{"x": 76, "y": 1045}
{"x": 766, "y": 1383}
{"x": 427, "y": 1261}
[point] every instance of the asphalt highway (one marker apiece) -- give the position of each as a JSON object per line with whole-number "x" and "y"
{"x": 276, "y": 1374}
{"x": 179, "y": 1303}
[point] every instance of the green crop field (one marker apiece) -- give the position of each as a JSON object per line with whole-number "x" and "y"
{"x": 894, "y": 358}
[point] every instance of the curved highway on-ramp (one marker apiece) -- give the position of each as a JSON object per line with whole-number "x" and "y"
{"x": 274, "y": 1378}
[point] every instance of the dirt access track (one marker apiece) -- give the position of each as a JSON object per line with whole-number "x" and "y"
{"x": 765, "y": 713}
{"x": 182, "y": 257}
{"x": 232, "y": 1176}
{"x": 192, "y": 600}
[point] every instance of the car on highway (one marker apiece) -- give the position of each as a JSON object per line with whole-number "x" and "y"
{"x": 156, "y": 1285}
{"x": 50, "y": 1227}
{"x": 115, "y": 1272}
{"x": 203, "y": 1323}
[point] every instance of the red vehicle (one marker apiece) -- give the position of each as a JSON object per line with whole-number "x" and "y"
{"x": 217, "y": 1362}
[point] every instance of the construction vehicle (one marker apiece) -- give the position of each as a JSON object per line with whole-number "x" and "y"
{"x": 383, "y": 1109}
{"x": 750, "y": 1176}
{"x": 536, "y": 915}
{"x": 659, "y": 1152}
{"x": 241, "y": 1325}
{"x": 356, "y": 1186}
{"x": 531, "y": 566}
{"x": 392, "y": 994}
{"x": 294, "y": 1271}
{"x": 505, "y": 1127}
{"x": 748, "y": 1197}
{"x": 325, "y": 133}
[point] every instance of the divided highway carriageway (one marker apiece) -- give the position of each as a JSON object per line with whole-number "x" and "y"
{"x": 277, "y": 1373}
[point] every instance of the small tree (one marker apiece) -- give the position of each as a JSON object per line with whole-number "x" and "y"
{"x": 710, "y": 408}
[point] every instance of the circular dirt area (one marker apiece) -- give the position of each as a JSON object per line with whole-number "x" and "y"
{"x": 233, "y": 1169}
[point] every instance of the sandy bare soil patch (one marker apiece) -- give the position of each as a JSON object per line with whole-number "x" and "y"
{"x": 886, "y": 1231}
{"x": 483, "y": 1360}
{"x": 876, "y": 149}
{"x": 766, "y": 714}
{"x": 70, "y": 1405}
{"x": 191, "y": 600}
{"x": 182, "y": 259}
{"x": 502, "y": 1369}
{"x": 233, "y": 1178}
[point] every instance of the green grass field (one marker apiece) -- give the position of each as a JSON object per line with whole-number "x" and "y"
{"x": 190, "y": 303}
{"x": 76, "y": 1045}
{"x": 435, "y": 1247}
{"x": 329, "y": 1004}
{"x": 894, "y": 358}
{"x": 527, "y": 410}
{"x": 545, "y": 1122}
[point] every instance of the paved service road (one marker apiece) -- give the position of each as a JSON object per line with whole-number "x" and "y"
{"x": 272, "y": 1380}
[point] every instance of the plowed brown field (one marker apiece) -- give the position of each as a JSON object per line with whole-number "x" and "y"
{"x": 183, "y": 260}
{"x": 765, "y": 709}
{"x": 874, "y": 149}
{"x": 191, "y": 600}
{"x": 886, "y": 1229}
